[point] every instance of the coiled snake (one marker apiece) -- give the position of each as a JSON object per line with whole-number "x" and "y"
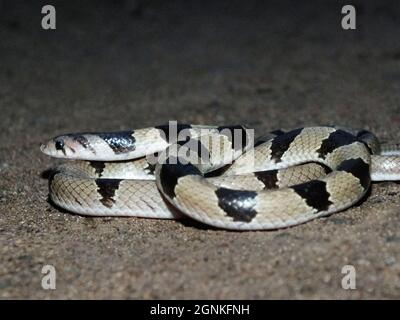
{"x": 219, "y": 176}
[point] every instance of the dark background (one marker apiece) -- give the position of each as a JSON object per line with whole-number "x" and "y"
{"x": 113, "y": 65}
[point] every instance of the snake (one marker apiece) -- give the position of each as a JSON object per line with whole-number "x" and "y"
{"x": 220, "y": 176}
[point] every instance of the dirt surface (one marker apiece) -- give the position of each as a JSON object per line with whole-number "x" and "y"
{"x": 120, "y": 65}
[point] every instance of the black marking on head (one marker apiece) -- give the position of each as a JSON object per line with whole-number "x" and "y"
{"x": 107, "y": 188}
{"x": 119, "y": 142}
{"x": 359, "y": 169}
{"x": 281, "y": 144}
{"x": 268, "y": 178}
{"x": 231, "y": 132}
{"x": 165, "y": 128}
{"x": 171, "y": 171}
{"x": 238, "y": 204}
{"x": 336, "y": 139}
{"x": 314, "y": 193}
{"x": 83, "y": 141}
{"x": 98, "y": 166}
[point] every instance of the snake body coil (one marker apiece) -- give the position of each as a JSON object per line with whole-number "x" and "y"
{"x": 219, "y": 175}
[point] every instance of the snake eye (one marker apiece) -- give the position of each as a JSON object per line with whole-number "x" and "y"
{"x": 59, "y": 144}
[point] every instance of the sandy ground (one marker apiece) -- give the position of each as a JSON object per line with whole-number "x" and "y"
{"x": 120, "y": 65}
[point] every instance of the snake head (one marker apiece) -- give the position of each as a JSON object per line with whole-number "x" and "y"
{"x": 65, "y": 146}
{"x": 92, "y": 146}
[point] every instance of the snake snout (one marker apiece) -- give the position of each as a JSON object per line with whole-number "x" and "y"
{"x": 44, "y": 149}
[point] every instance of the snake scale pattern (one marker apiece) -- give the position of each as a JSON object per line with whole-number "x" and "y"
{"x": 220, "y": 176}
